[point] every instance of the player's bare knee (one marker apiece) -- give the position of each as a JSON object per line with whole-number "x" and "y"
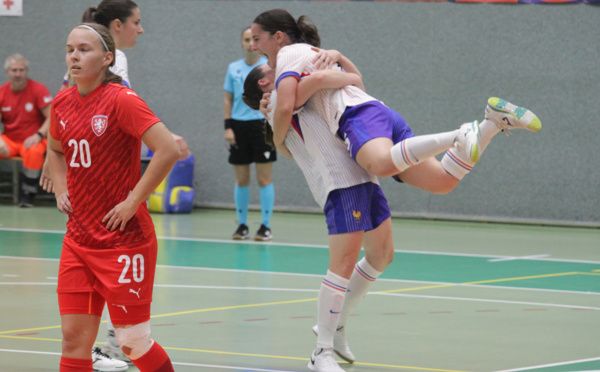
{"x": 71, "y": 336}
{"x": 380, "y": 167}
{"x": 380, "y": 259}
{"x": 135, "y": 340}
{"x": 264, "y": 180}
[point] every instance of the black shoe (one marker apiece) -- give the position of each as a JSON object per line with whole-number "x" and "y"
{"x": 263, "y": 234}
{"x": 241, "y": 233}
{"x": 26, "y": 200}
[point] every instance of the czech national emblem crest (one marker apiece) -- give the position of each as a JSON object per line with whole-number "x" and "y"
{"x": 99, "y": 124}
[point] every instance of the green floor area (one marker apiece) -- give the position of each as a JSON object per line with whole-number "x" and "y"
{"x": 469, "y": 297}
{"x": 275, "y": 257}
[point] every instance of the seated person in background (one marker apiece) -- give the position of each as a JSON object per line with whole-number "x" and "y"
{"x": 24, "y": 111}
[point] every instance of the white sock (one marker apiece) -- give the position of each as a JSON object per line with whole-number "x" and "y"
{"x": 487, "y": 129}
{"x": 459, "y": 164}
{"x": 330, "y": 304}
{"x": 414, "y": 150}
{"x": 455, "y": 164}
{"x": 362, "y": 280}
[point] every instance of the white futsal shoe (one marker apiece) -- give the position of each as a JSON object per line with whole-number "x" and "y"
{"x": 468, "y": 141}
{"x": 508, "y": 116}
{"x": 340, "y": 345}
{"x": 322, "y": 360}
{"x": 104, "y": 363}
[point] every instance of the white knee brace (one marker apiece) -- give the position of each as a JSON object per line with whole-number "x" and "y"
{"x": 134, "y": 340}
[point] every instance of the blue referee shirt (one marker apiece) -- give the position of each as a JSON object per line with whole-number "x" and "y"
{"x": 234, "y": 84}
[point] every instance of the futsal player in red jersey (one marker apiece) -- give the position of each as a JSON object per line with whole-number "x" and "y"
{"x": 109, "y": 250}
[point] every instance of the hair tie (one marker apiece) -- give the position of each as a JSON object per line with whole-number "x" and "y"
{"x": 97, "y": 34}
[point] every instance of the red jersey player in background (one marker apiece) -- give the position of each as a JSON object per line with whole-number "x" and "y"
{"x": 109, "y": 250}
{"x": 25, "y": 108}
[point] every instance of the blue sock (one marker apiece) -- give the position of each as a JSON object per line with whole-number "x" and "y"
{"x": 267, "y": 200}
{"x": 241, "y": 196}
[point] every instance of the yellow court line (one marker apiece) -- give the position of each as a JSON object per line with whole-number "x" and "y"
{"x": 179, "y": 313}
{"x": 31, "y": 338}
{"x": 479, "y": 282}
{"x": 306, "y": 359}
{"x": 594, "y": 273}
{"x": 314, "y": 299}
{"x": 256, "y": 355}
{"x": 29, "y": 329}
{"x": 521, "y": 278}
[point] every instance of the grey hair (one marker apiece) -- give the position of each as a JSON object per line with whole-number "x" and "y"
{"x": 15, "y": 57}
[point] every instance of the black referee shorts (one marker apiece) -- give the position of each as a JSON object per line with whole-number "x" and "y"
{"x": 250, "y": 144}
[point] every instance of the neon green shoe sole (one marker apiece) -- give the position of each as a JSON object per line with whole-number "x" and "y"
{"x": 508, "y": 116}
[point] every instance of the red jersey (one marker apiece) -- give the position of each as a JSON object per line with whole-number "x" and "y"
{"x": 21, "y": 111}
{"x": 100, "y": 136}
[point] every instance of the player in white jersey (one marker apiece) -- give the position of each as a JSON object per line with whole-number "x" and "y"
{"x": 377, "y": 137}
{"x": 356, "y": 212}
{"x": 123, "y": 19}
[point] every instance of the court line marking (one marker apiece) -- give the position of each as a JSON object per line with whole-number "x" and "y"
{"x": 441, "y": 285}
{"x": 481, "y": 282}
{"x": 499, "y": 258}
{"x": 174, "y": 363}
{"x": 595, "y": 274}
{"x": 251, "y": 355}
{"x": 321, "y": 276}
{"x": 552, "y": 365}
{"x": 380, "y": 293}
{"x": 2, "y": 334}
{"x": 393, "y": 291}
{"x": 231, "y": 307}
{"x": 489, "y": 301}
{"x": 224, "y": 241}
{"x": 513, "y": 258}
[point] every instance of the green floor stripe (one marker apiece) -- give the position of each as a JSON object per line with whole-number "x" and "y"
{"x": 294, "y": 259}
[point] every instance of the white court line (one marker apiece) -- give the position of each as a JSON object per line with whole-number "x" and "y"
{"x": 29, "y": 352}
{"x": 519, "y": 258}
{"x": 174, "y": 363}
{"x": 552, "y": 365}
{"x": 487, "y": 300}
{"x": 29, "y": 258}
{"x": 320, "y": 276}
{"x": 234, "y": 288}
{"x": 187, "y": 286}
{"x": 225, "y": 241}
{"x": 236, "y": 368}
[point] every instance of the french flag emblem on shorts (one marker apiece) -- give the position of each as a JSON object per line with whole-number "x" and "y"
{"x": 99, "y": 124}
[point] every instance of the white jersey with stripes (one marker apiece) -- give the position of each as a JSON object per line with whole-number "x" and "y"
{"x": 321, "y": 155}
{"x": 297, "y": 60}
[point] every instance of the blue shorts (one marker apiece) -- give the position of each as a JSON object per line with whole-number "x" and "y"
{"x": 362, "y": 123}
{"x": 358, "y": 208}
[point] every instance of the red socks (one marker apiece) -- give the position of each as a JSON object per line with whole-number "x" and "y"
{"x": 155, "y": 360}
{"x": 75, "y": 365}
